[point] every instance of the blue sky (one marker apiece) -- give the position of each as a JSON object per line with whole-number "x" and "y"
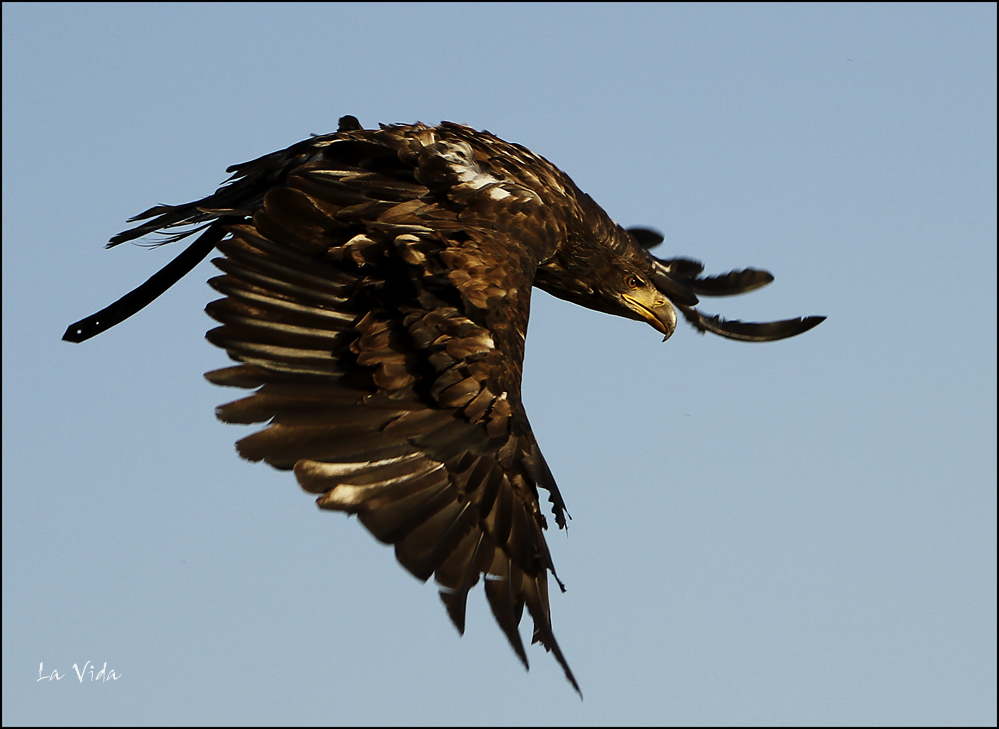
{"x": 793, "y": 533}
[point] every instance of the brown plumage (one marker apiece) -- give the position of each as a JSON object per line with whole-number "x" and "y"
{"x": 376, "y": 290}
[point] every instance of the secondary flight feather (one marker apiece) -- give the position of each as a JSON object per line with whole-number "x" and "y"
{"x": 375, "y": 291}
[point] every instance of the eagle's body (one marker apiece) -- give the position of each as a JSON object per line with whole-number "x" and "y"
{"x": 377, "y": 288}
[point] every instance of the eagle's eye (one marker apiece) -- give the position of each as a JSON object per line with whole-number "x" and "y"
{"x": 633, "y": 282}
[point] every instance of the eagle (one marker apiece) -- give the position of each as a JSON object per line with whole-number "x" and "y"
{"x": 375, "y": 287}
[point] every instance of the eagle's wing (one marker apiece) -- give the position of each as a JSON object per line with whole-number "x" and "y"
{"x": 385, "y": 340}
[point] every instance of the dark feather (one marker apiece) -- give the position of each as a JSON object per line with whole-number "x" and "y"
{"x": 751, "y": 331}
{"x": 647, "y": 238}
{"x": 733, "y": 282}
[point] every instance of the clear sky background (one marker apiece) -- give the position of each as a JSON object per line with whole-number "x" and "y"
{"x": 801, "y": 532}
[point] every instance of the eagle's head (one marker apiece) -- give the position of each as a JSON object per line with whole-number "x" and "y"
{"x": 646, "y": 302}
{"x": 606, "y": 279}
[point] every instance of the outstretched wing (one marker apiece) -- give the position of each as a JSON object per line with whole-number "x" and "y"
{"x": 384, "y": 338}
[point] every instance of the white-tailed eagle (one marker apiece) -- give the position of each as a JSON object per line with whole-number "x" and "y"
{"x": 376, "y": 286}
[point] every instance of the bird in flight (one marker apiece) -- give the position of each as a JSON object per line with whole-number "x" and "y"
{"x": 375, "y": 290}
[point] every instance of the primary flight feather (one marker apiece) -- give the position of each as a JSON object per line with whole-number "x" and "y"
{"x": 376, "y": 290}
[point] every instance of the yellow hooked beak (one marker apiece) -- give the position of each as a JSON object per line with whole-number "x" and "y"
{"x": 653, "y": 307}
